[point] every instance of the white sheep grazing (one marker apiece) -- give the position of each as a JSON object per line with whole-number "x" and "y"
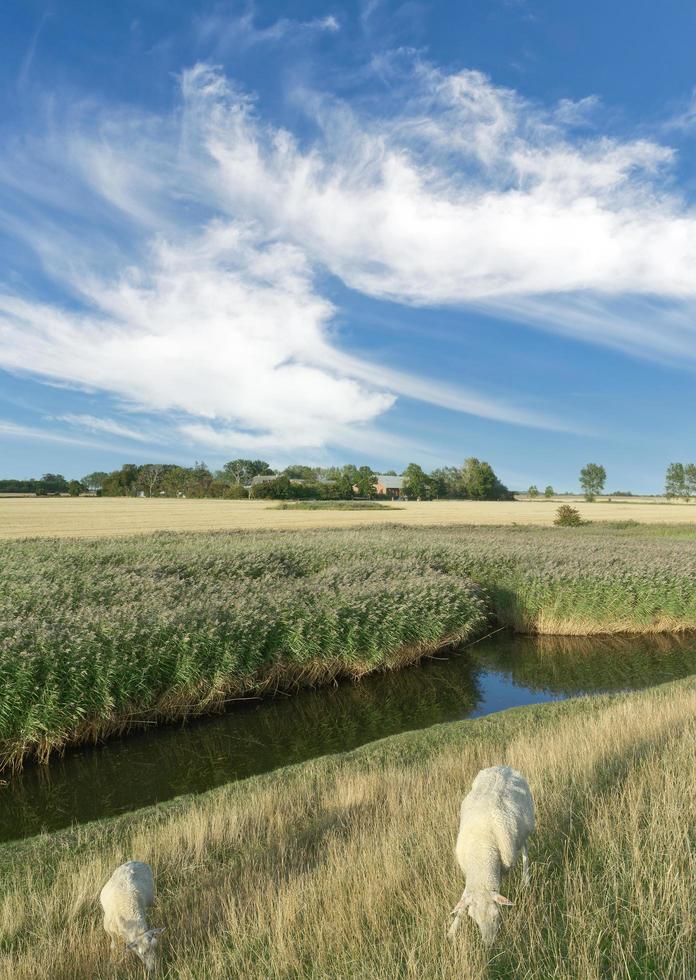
{"x": 125, "y": 898}
{"x": 497, "y": 817}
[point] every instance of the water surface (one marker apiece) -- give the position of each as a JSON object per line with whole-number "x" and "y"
{"x": 259, "y": 735}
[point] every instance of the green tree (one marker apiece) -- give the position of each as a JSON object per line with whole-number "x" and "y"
{"x": 278, "y": 489}
{"x": 592, "y": 480}
{"x": 365, "y": 482}
{"x": 675, "y": 480}
{"x": 548, "y": 492}
{"x": 150, "y": 478}
{"x": 479, "y": 482}
{"x": 690, "y": 478}
{"x": 121, "y": 483}
{"x": 416, "y": 482}
{"x": 75, "y": 488}
{"x": 94, "y": 481}
{"x": 446, "y": 481}
{"x": 243, "y": 470}
{"x": 174, "y": 481}
{"x": 299, "y": 472}
{"x": 533, "y": 491}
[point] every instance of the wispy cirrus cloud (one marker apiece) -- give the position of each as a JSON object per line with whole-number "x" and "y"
{"x": 15, "y": 430}
{"x": 94, "y": 423}
{"x": 203, "y": 304}
{"x": 222, "y": 29}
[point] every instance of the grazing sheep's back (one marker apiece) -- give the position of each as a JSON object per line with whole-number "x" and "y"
{"x": 129, "y": 892}
{"x": 499, "y": 802}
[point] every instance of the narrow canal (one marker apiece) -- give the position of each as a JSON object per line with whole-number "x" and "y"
{"x": 258, "y": 735}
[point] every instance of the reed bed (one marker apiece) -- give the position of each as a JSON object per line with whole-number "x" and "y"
{"x": 343, "y": 867}
{"x": 96, "y": 636}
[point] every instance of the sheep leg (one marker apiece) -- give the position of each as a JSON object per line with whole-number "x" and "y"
{"x": 525, "y": 865}
{"x": 457, "y": 912}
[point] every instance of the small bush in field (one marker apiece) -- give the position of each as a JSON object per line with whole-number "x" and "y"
{"x": 567, "y": 516}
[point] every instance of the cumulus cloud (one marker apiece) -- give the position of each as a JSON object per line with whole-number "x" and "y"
{"x": 191, "y": 282}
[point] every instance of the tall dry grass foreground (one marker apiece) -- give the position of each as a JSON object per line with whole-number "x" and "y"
{"x": 343, "y": 868}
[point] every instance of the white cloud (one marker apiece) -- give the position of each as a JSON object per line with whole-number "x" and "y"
{"x": 188, "y": 249}
{"x": 578, "y": 112}
{"x": 95, "y": 424}
{"x": 685, "y": 119}
{"x": 221, "y": 31}
{"x": 15, "y": 431}
{"x": 465, "y": 195}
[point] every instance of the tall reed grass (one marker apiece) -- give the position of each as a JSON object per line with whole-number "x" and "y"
{"x": 344, "y": 867}
{"x": 99, "y": 635}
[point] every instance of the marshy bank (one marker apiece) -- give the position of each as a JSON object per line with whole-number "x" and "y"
{"x": 275, "y": 877}
{"x": 99, "y": 636}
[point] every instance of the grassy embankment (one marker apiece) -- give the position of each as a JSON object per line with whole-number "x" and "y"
{"x": 96, "y": 636}
{"x": 343, "y": 868}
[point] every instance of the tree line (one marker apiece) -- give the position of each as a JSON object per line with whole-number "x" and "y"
{"x": 474, "y": 480}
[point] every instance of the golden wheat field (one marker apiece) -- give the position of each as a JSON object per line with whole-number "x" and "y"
{"x": 107, "y": 516}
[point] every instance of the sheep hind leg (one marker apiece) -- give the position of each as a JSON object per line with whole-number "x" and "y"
{"x": 525, "y": 865}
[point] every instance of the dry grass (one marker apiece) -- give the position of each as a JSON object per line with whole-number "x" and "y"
{"x": 343, "y": 868}
{"x": 109, "y": 516}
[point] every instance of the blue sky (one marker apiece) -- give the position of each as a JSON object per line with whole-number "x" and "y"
{"x": 376, "y": 232}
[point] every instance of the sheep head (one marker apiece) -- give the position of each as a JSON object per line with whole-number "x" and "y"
{"x": 145, "y": 946}
{"x": 484, "y": 908}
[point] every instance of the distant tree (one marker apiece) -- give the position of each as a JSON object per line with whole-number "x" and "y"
{"x": 329, "y": 472}
{"x": 234, "y": 491}
{"x": 150, "y": 477}
{"x": 592, "y": 480}
{"x": 243, "y": 470}
{"x": 52, "y": 483}
{"x": 479, "y": 482}
{"x": 389, "y": 473}
{"x": 416, "y": 482}
{"x": 365, "y": 482}
{"x": 690, "y": 478}
{"x": 279, "y": 488}
{"x": 75, "y": 488}
{"x": 95, "y": 481}
{"x": 299, "y": 472}
{"x": 548, "y": 492}
{"x": 344, "y": 483}
{"x": 54, "y": 478}
{"x": 199, "y": 480}
{"x": 533, "y": 491}
{"x": 675, "y": 480}
{"x": 121, "y": 483}
{"x": 446, "y": 482}
{"x": 175, "y": 480}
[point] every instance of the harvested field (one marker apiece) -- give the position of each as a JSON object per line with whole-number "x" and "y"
{"x": 108, "y": 516}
